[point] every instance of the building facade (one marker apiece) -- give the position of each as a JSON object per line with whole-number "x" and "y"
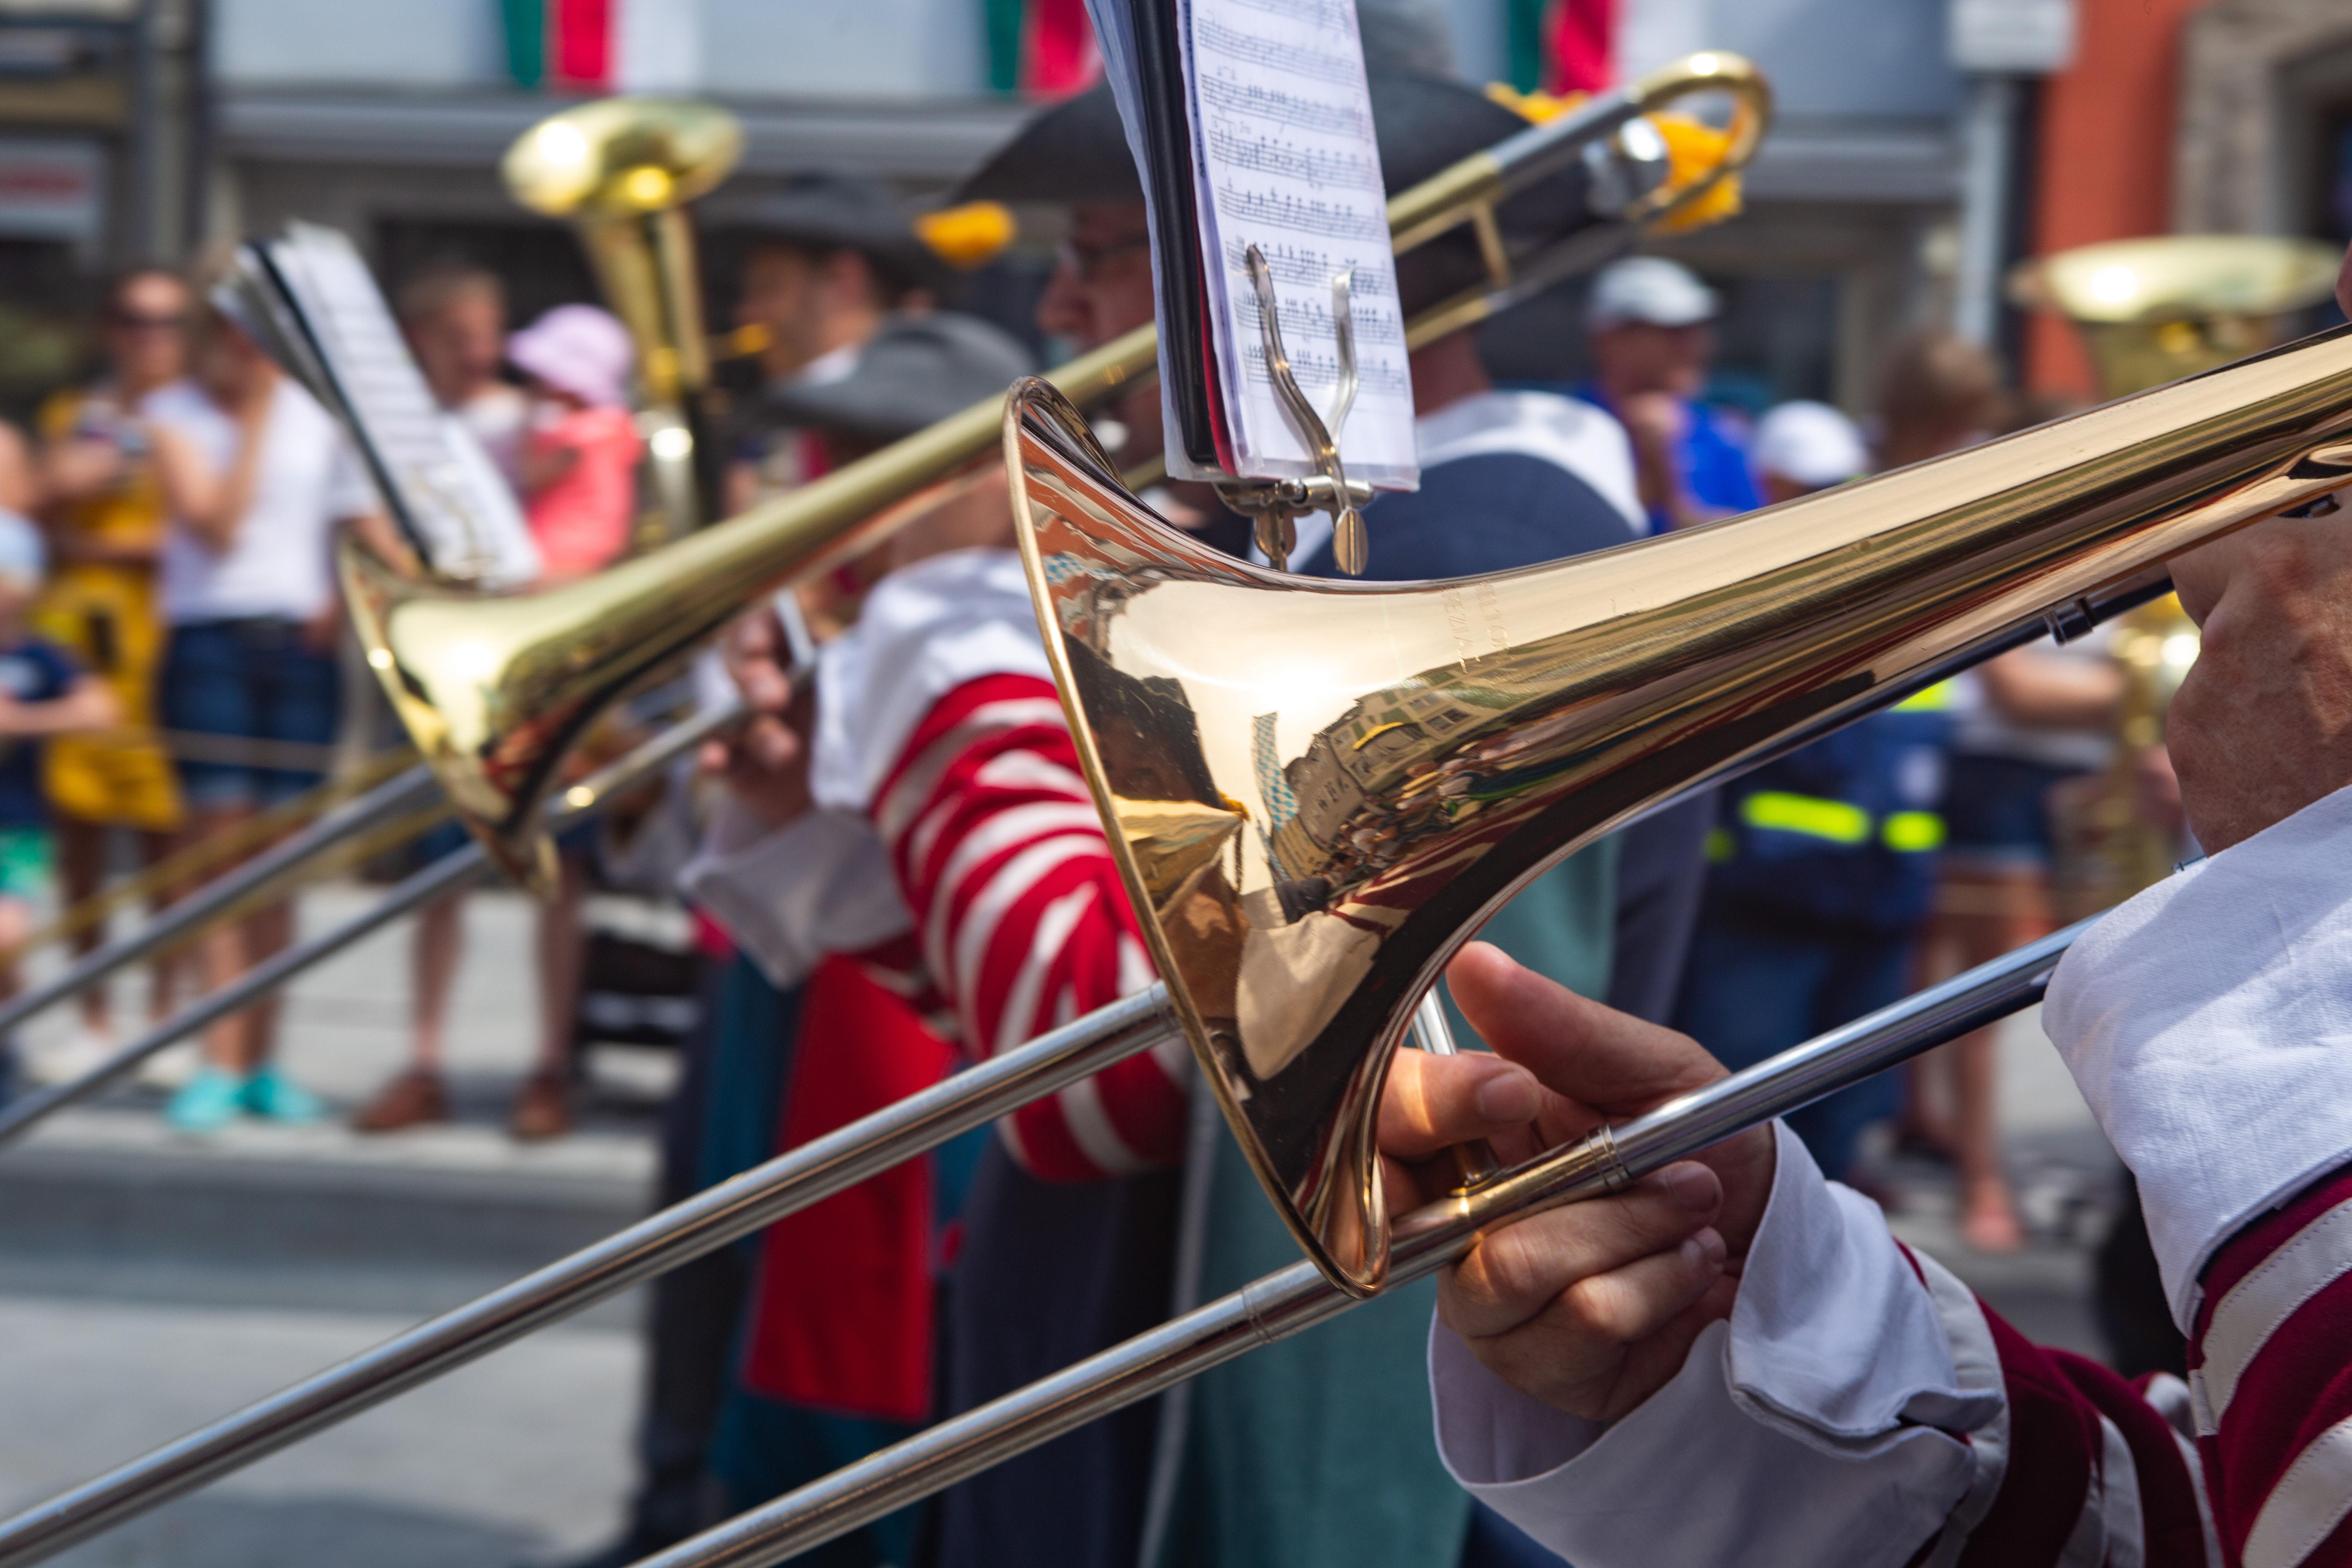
{"x": 133, "y": 127}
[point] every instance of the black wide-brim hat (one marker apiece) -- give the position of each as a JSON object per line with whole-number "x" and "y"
{"x": 915, "y": 372}
{"x": 1077, "y": 150}
{"x": 833, "y": 212}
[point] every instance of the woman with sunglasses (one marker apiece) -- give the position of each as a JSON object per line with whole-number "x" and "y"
{"x": 105, "y": 519}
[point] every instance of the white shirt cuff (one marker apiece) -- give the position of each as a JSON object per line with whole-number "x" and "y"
{"x": 790, "y": 895}
{"x": 1817, "y": 1415}
{"x": 2208, "y": 1022}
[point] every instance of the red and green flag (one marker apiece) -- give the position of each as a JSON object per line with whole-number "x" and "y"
{"x": 1562, "y": 46}
{"x": 599, "y": 45}
{"x": 1041, "y": 48}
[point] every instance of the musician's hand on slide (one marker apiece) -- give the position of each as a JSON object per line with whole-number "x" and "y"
{"x": 1591, "y": 1307}
{"x": 2263, "y": 726}
{"x": 765, "y": 762}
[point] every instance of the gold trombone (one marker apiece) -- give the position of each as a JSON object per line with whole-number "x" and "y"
{"x": 493, "y": 690}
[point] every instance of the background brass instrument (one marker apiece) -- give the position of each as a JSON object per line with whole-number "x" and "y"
{"x": 621, "y": 170}
{"x": 2153, "y": 310}
{"x": 492, "y": 691}
{"x": 2149, "y": 312}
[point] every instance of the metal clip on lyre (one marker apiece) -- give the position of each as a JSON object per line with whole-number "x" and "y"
{"x": 1277, "y": 504}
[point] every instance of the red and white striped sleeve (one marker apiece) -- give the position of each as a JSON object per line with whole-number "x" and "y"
{"x": 2266, "y": 1481}
{"x": 1020, "y": 920}
{"x": 2078, "y": 1467}
{"x": 2270, "y": 1384}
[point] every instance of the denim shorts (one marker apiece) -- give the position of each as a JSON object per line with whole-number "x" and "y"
{"x": 1996, "y": 810}
{"x": 253, "y": 679}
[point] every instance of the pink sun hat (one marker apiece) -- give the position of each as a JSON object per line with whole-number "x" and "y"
{"x": 577, "y": 349}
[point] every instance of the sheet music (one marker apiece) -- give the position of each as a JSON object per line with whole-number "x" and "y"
{"x": 452, "y": 500}
{"x": 1285, "y": 155}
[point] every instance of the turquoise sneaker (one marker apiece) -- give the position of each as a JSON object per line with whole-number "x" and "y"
{"x": 269, "y": 1093}
{"x": 207, "y": 1102}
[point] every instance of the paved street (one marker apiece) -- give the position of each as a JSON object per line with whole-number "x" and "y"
{"x": 2066, "y": 1189}
{"x": 148, "y": 1284}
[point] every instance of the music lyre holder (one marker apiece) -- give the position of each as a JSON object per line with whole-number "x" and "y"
{"x": 1275, "y": 505}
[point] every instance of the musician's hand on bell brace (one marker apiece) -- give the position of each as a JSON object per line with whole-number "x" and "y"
{"x": 1591, "y": 1307}
{"x": 2263, "y": 725}
{"x": 765, "y": 761}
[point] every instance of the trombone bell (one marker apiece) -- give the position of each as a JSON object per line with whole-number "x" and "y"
{"x": 1318, "y": 791}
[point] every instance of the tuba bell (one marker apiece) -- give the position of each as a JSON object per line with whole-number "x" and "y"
{"x": 621, "y": 170}
{"x": 2149, "y": 312}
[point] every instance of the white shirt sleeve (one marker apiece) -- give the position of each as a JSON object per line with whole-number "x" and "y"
{"x": 2208, "y": 1022}
{"x": 1815, "y": 1429}
{"x": 350, "y": 491}
{"x": 791, "y": 895}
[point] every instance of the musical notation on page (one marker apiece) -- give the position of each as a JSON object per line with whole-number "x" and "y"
{"x": 450, "y": 495}
{"x": 1284, "y": 160}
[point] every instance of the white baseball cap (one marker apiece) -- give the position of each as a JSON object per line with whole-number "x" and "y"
{"x": 1810, "y": 442}
{"x": 1652, "y": 291}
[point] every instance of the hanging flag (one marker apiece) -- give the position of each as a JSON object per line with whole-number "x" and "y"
{"x": 525, "y": 22}
{"x": 1584, "y": 43}
{"x": 602, "y": 45}
{"x": 1041, "y": 48}
{"x": 1562, "y": 47}
{"x": 580, "y": 43}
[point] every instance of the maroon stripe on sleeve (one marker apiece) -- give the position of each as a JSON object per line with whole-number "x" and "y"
{"x": 2173, "y": 1533}
{"x": 2252, "y": 1248}
{"x": 2298, "y": 1384}
{"x": 2053, "y": 1439}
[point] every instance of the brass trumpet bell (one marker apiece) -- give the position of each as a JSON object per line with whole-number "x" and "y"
{"x": 1317, "y": 791}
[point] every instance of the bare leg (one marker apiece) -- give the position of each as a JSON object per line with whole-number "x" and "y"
{"x": 544, "y": 1107}
{"x": 563, "y": 954}
{"x": 1927, "y": 1090}
{"x": 268, "y": 933}
{"x": 221, "y": 956}
{"x": 2002, "y": 909}
{"x": 418, "y": 1096}
{"x": 166, "y": 974}
{"x": 15, "y": 925}
{"x": 435, "y": 966}
{"x": 82, "y": 862}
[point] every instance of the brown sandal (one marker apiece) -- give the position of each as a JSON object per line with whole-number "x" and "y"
{"x": 542, "y": 1108}
{"x": 412, "y": 1100}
